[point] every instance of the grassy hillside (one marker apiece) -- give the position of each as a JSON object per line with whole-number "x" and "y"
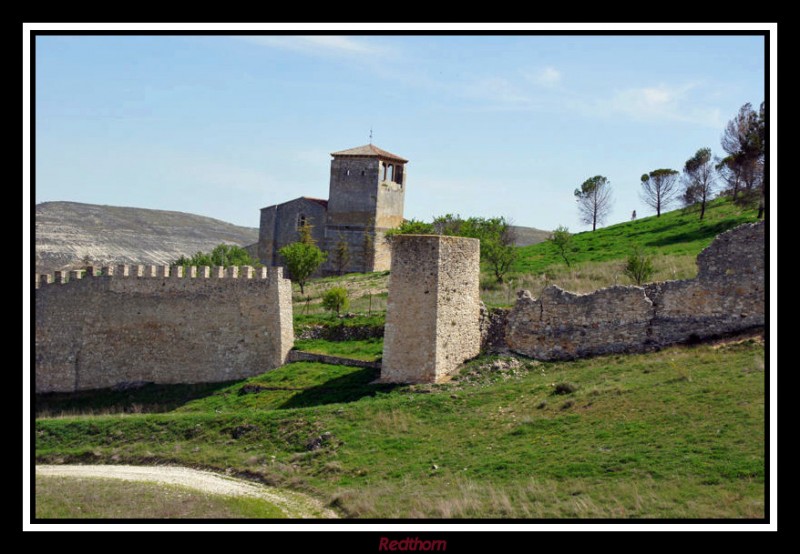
{"x": 676, "y": 434}
{"x": 675, "y": 233}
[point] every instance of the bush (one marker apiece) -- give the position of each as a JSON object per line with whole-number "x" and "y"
{"x": 639, "y": 267}
{"x": 565, "y": 388}
{"x": 335, "y": 300}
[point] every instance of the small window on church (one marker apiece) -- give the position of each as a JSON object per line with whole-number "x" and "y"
{"x": 301, "y": 220}
{"x": 347, "y": 172}
{"x": 363, "y": 172}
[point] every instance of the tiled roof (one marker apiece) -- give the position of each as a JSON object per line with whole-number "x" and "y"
{"x": 320, "y": 201}
{"x": 369, "y": 150}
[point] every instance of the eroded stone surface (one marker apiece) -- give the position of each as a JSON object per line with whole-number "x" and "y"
{"x": 728, "y": 296}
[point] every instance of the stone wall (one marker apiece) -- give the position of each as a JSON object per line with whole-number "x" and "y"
{"x": 279, "y": 226}
{"x": 728, "y": 296}
{"x": 153, "y": 324}
{"x": 433, "y": 310}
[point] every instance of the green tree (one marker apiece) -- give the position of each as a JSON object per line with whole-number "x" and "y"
{"x": 341, "y": 255}
{"x": 302, "y": 260}
{"x": 305, "y": 233}
{"x": 497, "y": 238}
{"x": 638, "y": 267}
{"x": 411, "y": 227}
{"x": 224, "y": 255}
{"x": 698, "y": 175}
{"x": 594, "y": 200}
{"x": 335, "y": 299}
{"x": 561, "y": 238}
{"x": 496, "y": 234}
{"x": 660, "y": 188}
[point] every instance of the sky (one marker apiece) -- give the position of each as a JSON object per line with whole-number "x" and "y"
{"x": 504, "y": 125}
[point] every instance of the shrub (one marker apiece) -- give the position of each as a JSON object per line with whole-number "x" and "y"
{"x": 639, "y": 267}
{"x": 335, "y": 299}
{"x": 565, "y": 388}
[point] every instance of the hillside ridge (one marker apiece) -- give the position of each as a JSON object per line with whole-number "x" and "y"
{"x": 68, "y": 234}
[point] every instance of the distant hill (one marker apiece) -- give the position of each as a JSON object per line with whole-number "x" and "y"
{"x": 67, "y": 233}
{"x": 527, "y": 236}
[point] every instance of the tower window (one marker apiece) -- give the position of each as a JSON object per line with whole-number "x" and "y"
{"x": 301, "y": 220}
{"x": 347, "y": 172}
{"x": 363, "y": 172}
{"x": 390, "y": 173}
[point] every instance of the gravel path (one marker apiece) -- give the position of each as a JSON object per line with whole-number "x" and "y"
{"x": 294, "y": 505}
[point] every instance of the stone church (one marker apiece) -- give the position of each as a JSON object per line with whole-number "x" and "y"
{"x": 365, "y": 199}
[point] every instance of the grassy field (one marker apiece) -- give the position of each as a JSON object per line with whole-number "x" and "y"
{"x": 370, "y": 350}
{"x": 674, "y": 434}
{"x": 75, "y": 497}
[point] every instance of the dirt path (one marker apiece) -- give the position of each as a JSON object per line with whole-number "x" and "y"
{"x": 294, "y": 505}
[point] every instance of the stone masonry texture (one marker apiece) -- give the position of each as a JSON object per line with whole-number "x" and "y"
{"x": 107, "y": 330}
{"x": 728, "y": 296}
{"x": 433, "y": 311}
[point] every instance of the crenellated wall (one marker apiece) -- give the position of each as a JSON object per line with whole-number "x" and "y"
{"x": 728, "y": 296}
{"x": 124, "y": 324}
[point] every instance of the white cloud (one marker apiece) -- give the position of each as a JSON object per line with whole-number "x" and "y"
{"x": 325, "y": 45}
{"x": 548, "y": 76}
{"x": 663, "y": 102}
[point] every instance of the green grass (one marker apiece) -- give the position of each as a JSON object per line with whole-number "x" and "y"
{"x": 370, "y": 350}
{"x": 675, "y": 434}
{"x": 75, "y": 497}
{"x": 679, "y": 232}
{"x": 147, "y": 399}
{"x": 327, "y": 320}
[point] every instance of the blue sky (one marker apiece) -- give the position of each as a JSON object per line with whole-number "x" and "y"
{"x": 492, "y": 125}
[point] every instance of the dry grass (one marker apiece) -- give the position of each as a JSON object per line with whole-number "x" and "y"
{"x": 585, "y": 277}
{"x": 540, "y": 499}
{"x": 77, "y": 497}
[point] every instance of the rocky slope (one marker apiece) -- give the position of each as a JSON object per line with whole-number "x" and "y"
{"x": 68, "y": 234}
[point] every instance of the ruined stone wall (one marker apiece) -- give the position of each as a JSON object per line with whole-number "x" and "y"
{"x": 141, "y": 323}
{"x": 728, "y": 296}
{"x": 433, "y": 310}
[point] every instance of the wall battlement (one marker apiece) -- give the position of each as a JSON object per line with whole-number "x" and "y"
{"x": 147, "y": 323}
{"x": 125, "y": 271}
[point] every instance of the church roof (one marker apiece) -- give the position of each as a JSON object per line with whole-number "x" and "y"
{"x": 322, "y": 202}
{"x": 369, "y": 150}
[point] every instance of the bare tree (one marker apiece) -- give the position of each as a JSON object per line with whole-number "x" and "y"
{"x": 743, "y": 168}
{"x": 660, "y": 188}
{"x": 594, "y": 200}
{"x": 698, "y": 175}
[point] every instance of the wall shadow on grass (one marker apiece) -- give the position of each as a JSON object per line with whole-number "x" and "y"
{"x": 149, "y": 398}
{"x": 347, "y": 388}
{"x": 704, "y": 232}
